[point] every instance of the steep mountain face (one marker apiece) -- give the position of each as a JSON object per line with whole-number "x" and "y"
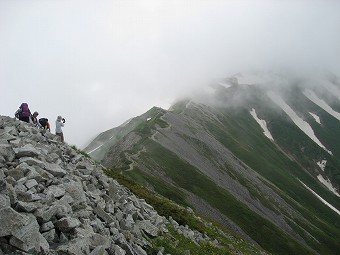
{"x": 55, "y": 200}
{"x": 258, "y": 154}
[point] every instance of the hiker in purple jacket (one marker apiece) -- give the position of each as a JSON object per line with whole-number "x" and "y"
{"x": 23, "y": 113}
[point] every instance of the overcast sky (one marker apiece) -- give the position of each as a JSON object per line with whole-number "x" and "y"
{"x": 99, "y": 63}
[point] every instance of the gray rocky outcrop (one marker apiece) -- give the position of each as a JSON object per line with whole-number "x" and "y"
{"x": 56, "y": 201}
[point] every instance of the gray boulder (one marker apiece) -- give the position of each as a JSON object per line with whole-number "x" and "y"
{"x": 27, "y": 206}
{"x": 99, "y": 240}
{"x": 56, "y": 190}
{"x": 55, "y": 170}
{"x": 11, "y": 221}
{"x": 32, "y": 161}
{"x": 67, "y": 224}
{"x": 78, "y": 246}
{"x": 76, "y": 191}
{"x": 4, "y": 201}
{"x": 7, "y": 153}
{"x": 28, "y": 237}
{"x": 100, "y": 250}
{"x": 31, "y": 183}
{"x": 26, "y": 151}
{"x": 148, "y": 227}
{"x": 103, "y": 215}
{"x": 16, "y": 173}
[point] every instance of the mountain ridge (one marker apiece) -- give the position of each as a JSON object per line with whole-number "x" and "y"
{"x": 219, "y": 144}
{"x": 55, "y": 200}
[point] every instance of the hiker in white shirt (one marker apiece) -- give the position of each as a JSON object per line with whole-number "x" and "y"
{"x": 59, "y": 123}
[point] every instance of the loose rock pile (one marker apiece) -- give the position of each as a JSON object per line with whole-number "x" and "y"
{"x": 56, "y": 201}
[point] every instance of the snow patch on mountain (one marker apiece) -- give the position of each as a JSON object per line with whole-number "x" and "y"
{"x": 263, "y": 124}
{"x": 328, "y": 184}
{"x": 322, "y": 200}
{"x": 316, "y": 117}
{"x": 303, "y": 125}
{"x": 322, "y": 164}
{"x": 95, "y": 148}
{"x": 321, "y": 103}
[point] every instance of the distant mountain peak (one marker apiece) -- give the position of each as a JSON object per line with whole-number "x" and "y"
{"x": 249, "y": 151}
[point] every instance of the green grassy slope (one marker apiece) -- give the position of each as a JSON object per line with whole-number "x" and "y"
{"x": 173, "y": 242}
{"x": 168, "y": 174}
{"x": 273, "y": 165}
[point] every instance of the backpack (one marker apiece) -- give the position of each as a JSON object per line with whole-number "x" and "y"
{"x": 25, "y": 111}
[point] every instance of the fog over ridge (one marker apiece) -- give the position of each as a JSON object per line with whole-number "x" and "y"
{"x": 100, "y": 63}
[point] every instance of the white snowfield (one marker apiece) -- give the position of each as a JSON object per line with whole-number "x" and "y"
{"x": 323, "y": 200}
{"x": 322, "y": 164}
{"x": 316, "y": 100}
{"x": 263, "y": 124}
{"x": 99, "y": 146}
{"x": 328, "y": 184}
{"x": 303, "y": 125}
{"x": 95, "y": 149}
{"x": 316, "y": 117}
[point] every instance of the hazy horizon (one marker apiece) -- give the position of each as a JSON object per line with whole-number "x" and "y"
{"x": 100, "y": 63}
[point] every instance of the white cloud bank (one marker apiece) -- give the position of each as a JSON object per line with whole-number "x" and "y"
{"x": 98, "y": 63}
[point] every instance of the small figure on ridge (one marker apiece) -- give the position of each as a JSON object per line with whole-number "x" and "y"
{"x": 43, "y": 122}
{"x": 23, "y": 113}
{"x": 59, "y": 124}
{"x": 34, "y": 118}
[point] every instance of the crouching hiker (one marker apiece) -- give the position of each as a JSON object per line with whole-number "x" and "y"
{"x": 43, "y": 122}
{"x": 59, "y": 123}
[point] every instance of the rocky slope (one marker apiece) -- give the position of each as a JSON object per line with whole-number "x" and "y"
{"x": 54, "y": 200}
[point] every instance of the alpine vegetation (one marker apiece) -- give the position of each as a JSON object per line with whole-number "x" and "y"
{"x": 55, "y": 200}
{"x": 259, "y": 154}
